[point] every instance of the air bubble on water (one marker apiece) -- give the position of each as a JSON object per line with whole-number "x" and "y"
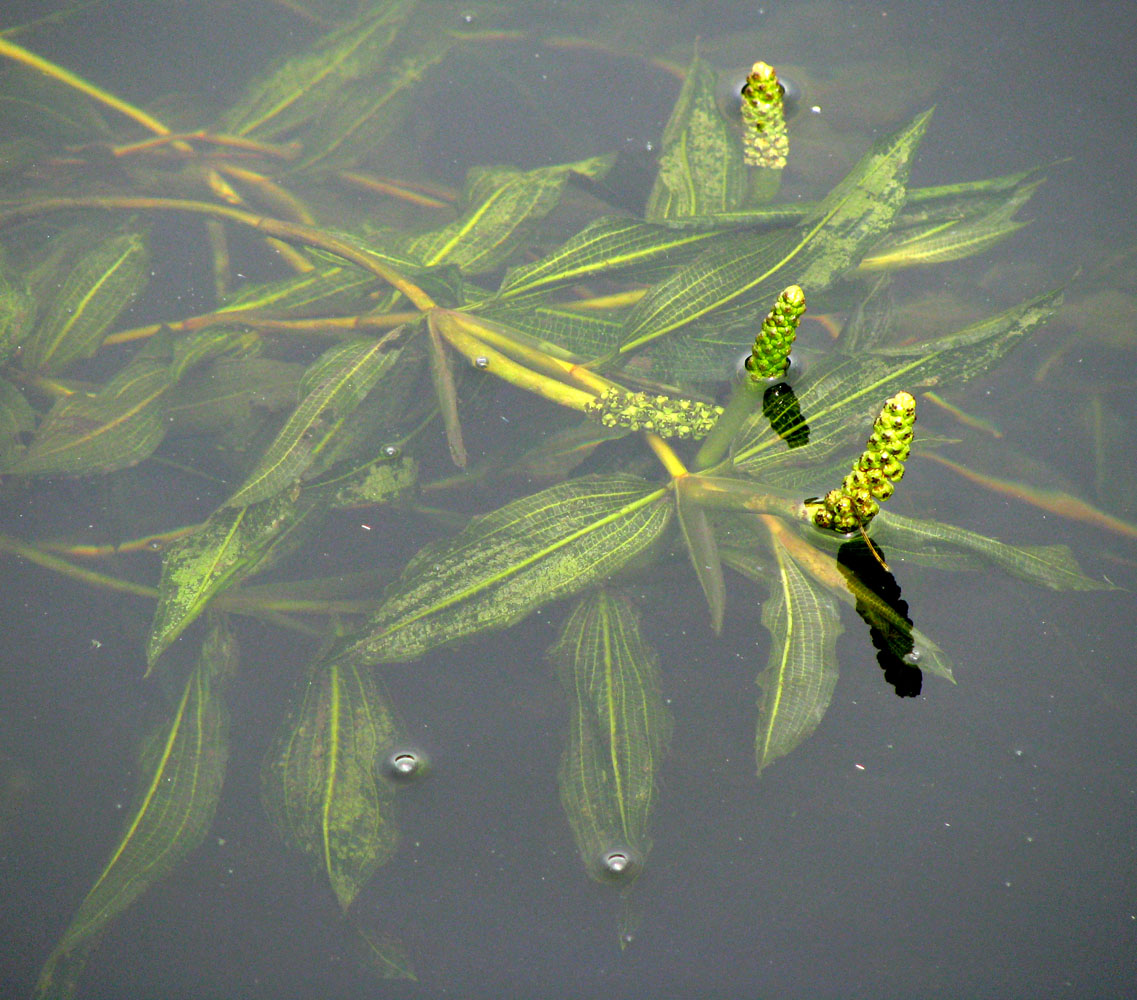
{"x": 406, "y": 764}
{"x": 913, "y": 657}
{"x": 391, "y": 451}
{"x": 481, "y": 361}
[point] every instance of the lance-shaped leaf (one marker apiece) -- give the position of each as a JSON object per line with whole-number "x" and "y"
{"x": 16, "y": 417}
{"x": 1051, "y": 566}
{"x": 617, "y": 736}
{"x": 384, "y": 956}
{"x": 323, "y": 291}
{"x": 233, "y": 544}
{"x": 117, "y": 427}
{"x": 939, "y": 242}
{"x": 333, "y": 386}
{"x": 611, "y": 243}
{"x": 802, "y": 670}
{"x": 832, "y": 240}
{"x": 510, "y": 562}
{"x": 700, "y": 168}
{"x": 699, "y": 537}
{"x": 182, "y": 773}
{"x": 103, "y": 282}
{"x": 301, "y": 88}
{"x": 500, "y": 204}
{"x": 842, "y": 394}
{"x": 319, "y": 782}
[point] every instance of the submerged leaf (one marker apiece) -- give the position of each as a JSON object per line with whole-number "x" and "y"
{"x": 618, "y": 733}
{"x": 500, "y": 204}
{"x": 699, "y": 537}
{"x": 802, "y": 670}
{"x": 102, "y": 283}
{"x": 115, "y": 428}
{"x": 334, "y": 385}
{"x": 233, "y": 544}
{"x": 319, "y": 782}
{"x": 182, "y": 783}
{"x": 700, "y": 168}
{"x": 510, "y": 562}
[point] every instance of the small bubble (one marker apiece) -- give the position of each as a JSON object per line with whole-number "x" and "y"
{"x": 155, "y": 545}
{"x": 391, "y": 451}
{"x": 619, "y": 863}
{"x": 481, "y": 361}
{"x": 406, "y": 764}
{"x": 913, "y": 657}
{"x": 468, "y": 17}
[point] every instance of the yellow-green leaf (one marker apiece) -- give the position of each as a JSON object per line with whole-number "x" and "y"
{"x": 510, "y": 562}
{"x": 618, "y": 733}
{"x": 802, "y": 670}
{"x": 333, "y": 386}
{"x": 319, "y": 780}
{"x": 103, "y": 282}
{"x": 233, "y": 544}
{"x": 611, "y": 243}
{"x": 302, "y": 87}
{"x": 701, "y": 547}
{"x": 500, "y": 204}
{"x": 117, "y": 427}
{"x": 700, "y": 168}
{"x": 182, "y": 780}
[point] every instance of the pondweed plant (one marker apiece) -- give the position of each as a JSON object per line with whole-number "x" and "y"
{"x": 622, "y": 332}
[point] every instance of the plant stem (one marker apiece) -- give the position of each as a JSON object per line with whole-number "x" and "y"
{"x": 745, "y": 398}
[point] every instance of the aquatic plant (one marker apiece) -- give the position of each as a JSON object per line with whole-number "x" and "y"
{"x": 623, "y": 333}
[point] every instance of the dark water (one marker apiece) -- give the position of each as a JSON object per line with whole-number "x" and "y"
{"x": 975, "y": 841}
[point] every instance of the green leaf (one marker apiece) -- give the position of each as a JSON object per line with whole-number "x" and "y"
{"x": 500, "y": 204}
{"x": 16, "y": 418}
{"x": 182, "y": 779}
{"x": 103, "y": 282}
{"x": 850, "y": 218}
{"x": 115, "y": 428}
{"x": 510, "y": 562}
{"x": 1051, "y": 566}
{"x": 327, "y": 289}
{"x": 618, "y": 732}
{"x": 802, "y": 670}
{"x": 699, "y": 537}
{"x": 333, "y": 386}
{"x": 319, "y": 781}
{"x": 303, "y": 87}
{"x": 229, "y": 391}
{"x": 555, "y": 328}
{"x": 939, "y": 242}
{"x": 382, "y": 955}
{"x": 701, "y": 170}
{"x": 842, "y": 395}
{"x": 609, "y": 244}
{"x": 232, "y": 545}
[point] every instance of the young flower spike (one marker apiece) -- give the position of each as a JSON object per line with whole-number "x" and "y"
{"x": 767, "y": 143}
{"x": 770, "y": 356}
{"x": 667, "y": 417}
{"x": 872, "y": 479}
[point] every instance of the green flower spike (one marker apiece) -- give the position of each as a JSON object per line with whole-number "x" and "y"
{"x": 770, "y": 356}
{"x": 873, "y": 477}
{"x": 767, "y": 144}
{"x": 667, "y": 417}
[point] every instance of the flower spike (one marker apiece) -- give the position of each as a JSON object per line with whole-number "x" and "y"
{"x": 667, "y": 417}
{"x": 872, "y": 479}
{"x": 770, "y": 356}
{"x": 767, "y": 144}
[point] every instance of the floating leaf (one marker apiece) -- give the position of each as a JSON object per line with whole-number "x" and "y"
{"x": 512, "y": 561}
{"x": 182, "y": 782}
{"x": 233, "y": 544}
{"x": 115, "y": 428}
{"x": 319, "y": 783}
{"x": 802, "y": 670}
{"x": 617, "y": 736}
{"x": 500, "y": 203}
{"x": 700, "y": 166}
{"x": 335, "y": 384}
{"x": 103, "y": 282}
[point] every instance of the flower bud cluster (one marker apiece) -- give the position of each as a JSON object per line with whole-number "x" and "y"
{"x": 770, "y": 355}
{"x": 873, "y": 477}
{"x": 767, "y": 143}
{"x": 667, "y": 417}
